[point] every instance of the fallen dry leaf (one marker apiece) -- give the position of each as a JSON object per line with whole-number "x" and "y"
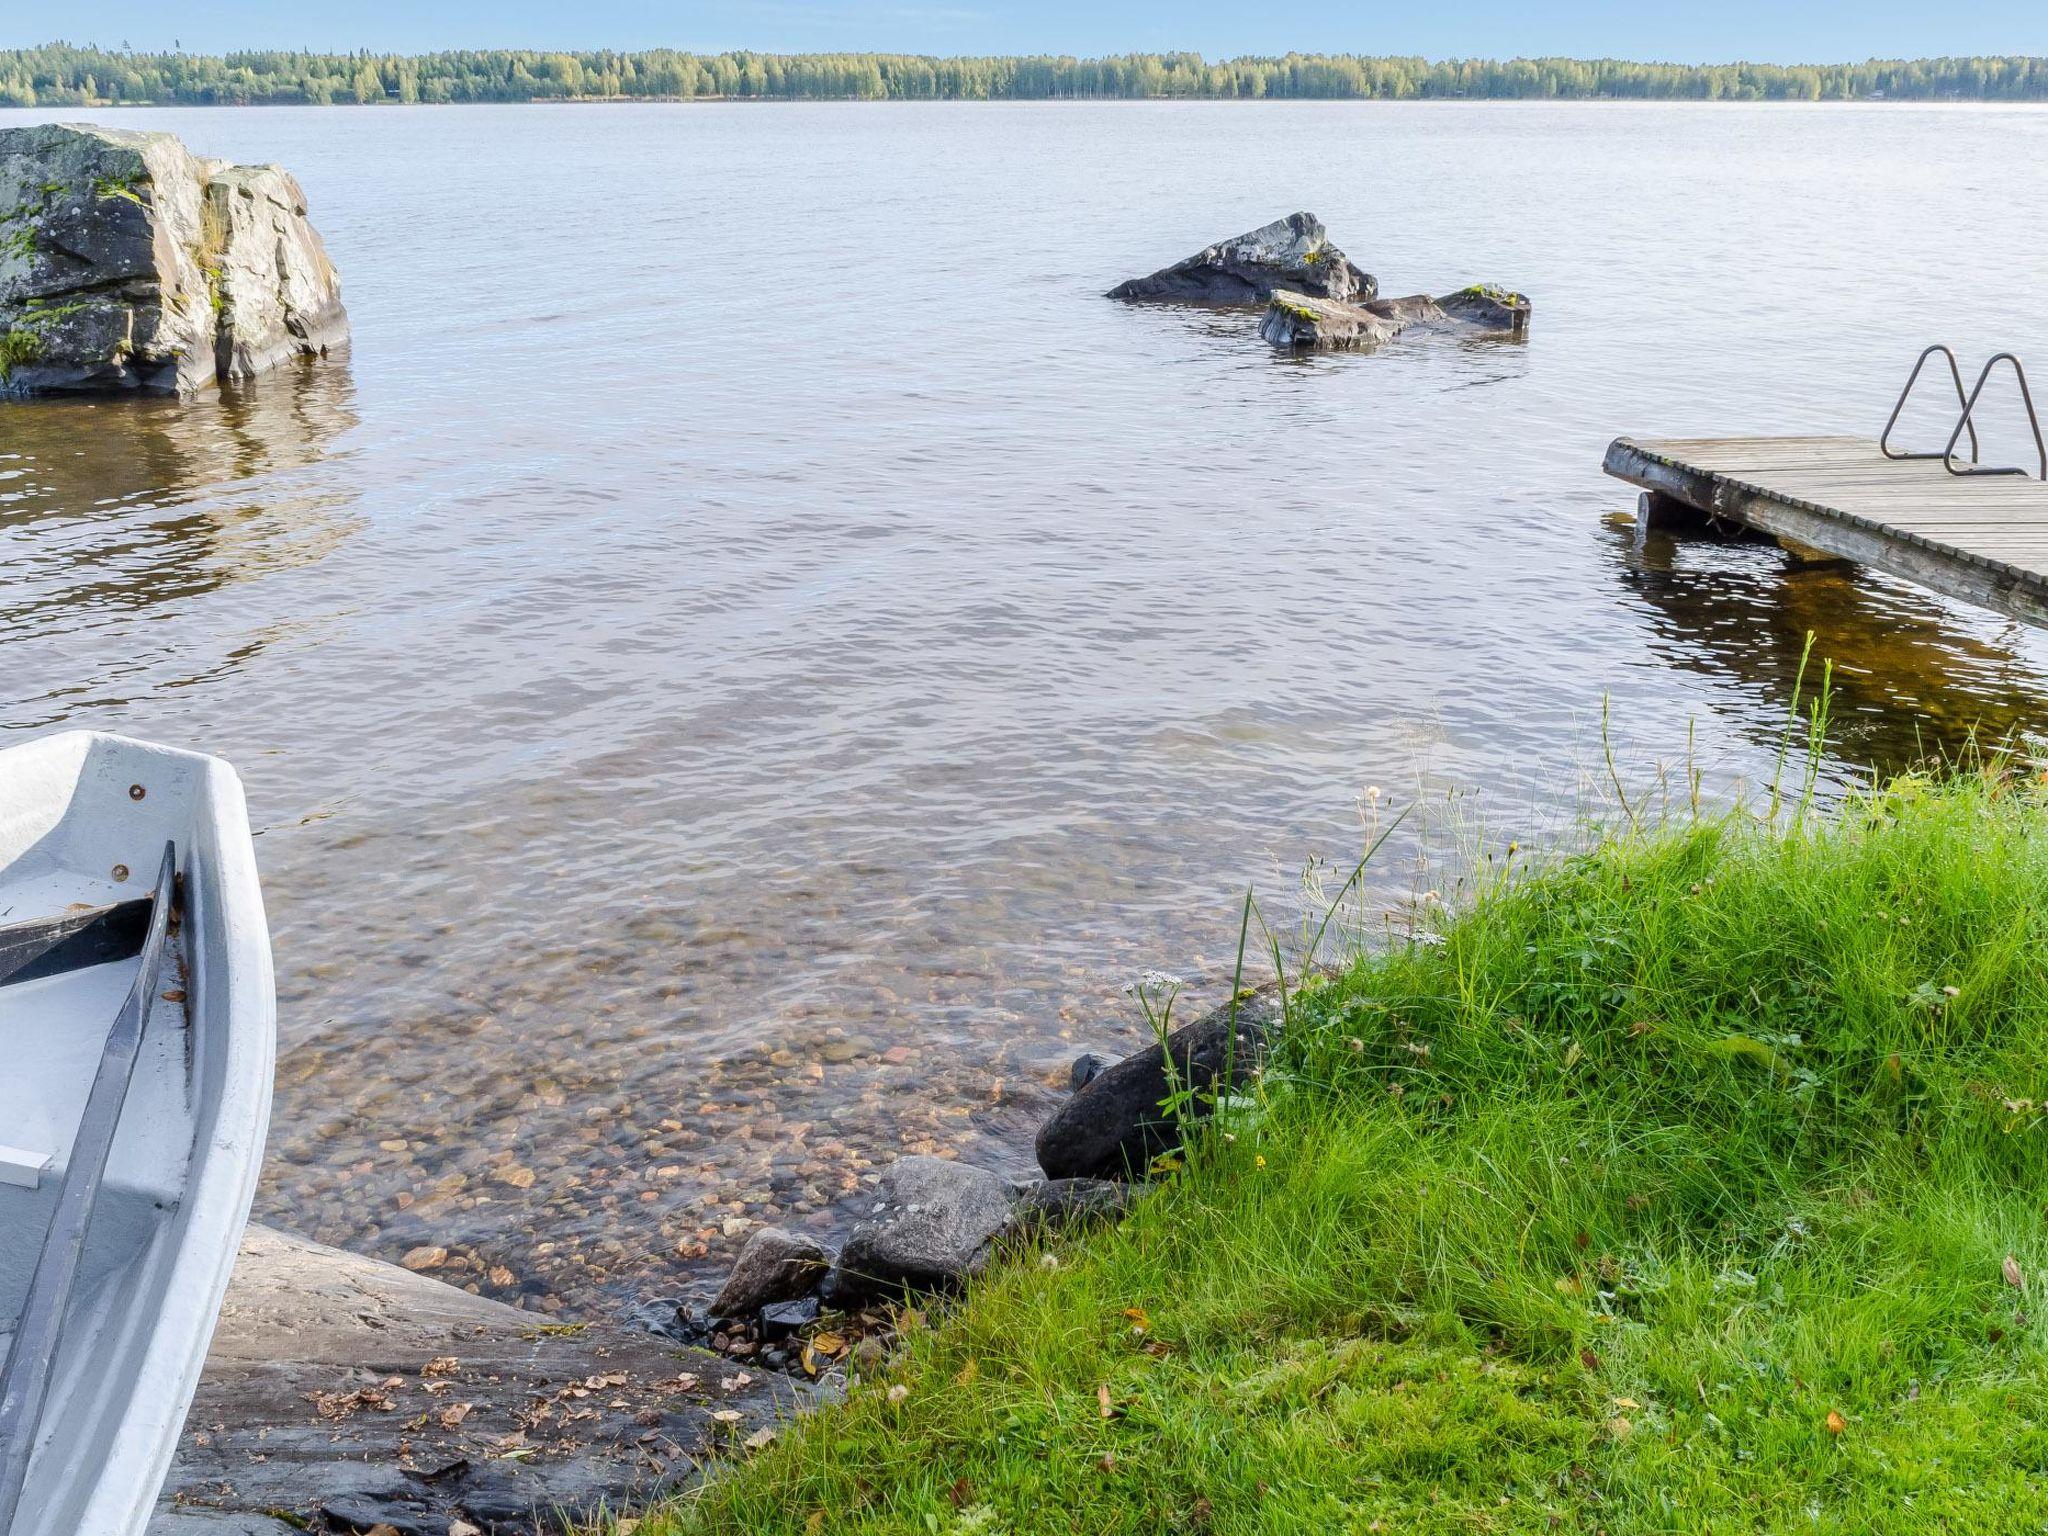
{"x": 1620, "y": 1428}
{"x": 441, "y": 1365}
{"x": 760, "y": 1439}
{"x": 2014, "y": 1277}
{"x": 1140, "y": 1323}
{"x": 1104, "y": 1404}
{"x": 453, "y": 1415}
{"x": 1836, "y": 1423}
{"x": 727, "y": 1415}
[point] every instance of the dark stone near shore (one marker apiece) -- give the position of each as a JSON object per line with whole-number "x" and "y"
{"x": 1487, "y": 308}
{"x": 930, "y": 1225}
{"x": 772, "y": 1265}
{"x": 1087, "y": 1066}
{"x": 1114, "y": 1127}
{"x": 1294, "y": 252}
{"x": 782, "y": 1318}
{"x": 1057, "y": 1204}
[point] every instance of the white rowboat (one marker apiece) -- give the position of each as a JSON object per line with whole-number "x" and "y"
{"x": 137, "y": 1036}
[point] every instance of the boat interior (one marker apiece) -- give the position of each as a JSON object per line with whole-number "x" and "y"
{"x": 79, "y": 955}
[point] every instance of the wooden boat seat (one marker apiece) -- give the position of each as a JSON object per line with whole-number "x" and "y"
{"x": 73, "y": 940}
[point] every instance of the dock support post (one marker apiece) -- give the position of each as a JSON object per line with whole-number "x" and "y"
{"x": 1657, "y": 512}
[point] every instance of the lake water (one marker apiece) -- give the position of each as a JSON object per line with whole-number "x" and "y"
{"x": 751, "y": 654}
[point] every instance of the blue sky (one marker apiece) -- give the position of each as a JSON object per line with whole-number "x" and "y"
{"x": 1778, "y": 31}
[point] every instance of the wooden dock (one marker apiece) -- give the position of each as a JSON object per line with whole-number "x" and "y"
{"x": 1980, "y": 538}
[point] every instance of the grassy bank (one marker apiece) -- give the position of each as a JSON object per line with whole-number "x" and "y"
{"x": 1696, "y": 1183}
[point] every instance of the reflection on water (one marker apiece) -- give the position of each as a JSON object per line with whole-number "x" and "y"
{"x": 702, "y": 747}
{"x": 116, "y": 515}
{"x": 1908, "y": 683}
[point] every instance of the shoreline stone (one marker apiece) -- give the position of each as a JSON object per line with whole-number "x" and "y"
{"x": 931, "y": 1224}
{"x": 129, "y": 265}
{"x": 772, "y": 1266}
{"x": 1294, "y": 252}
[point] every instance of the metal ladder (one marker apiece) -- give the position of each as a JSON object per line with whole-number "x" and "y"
{"x": 1964, "y": 423}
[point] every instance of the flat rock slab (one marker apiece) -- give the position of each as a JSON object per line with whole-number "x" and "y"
{"x": 1305, "y": 322}
{"x": 348, "y": 1392}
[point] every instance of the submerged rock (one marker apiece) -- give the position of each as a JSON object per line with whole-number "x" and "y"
{"x": 1304, "y": 322}
{"x": 1115, "y": 1127}
{"x": 1415, "y": 309}
{"x": 931, "y": 1224}
{"x": 771, "y": 1266}
{"x": 1488, "y": 308}
{"x": 1294, "y": 252}
{"x": 128, "y": 264}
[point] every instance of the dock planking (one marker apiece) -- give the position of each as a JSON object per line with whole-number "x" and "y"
{"x": 1980, "y": 538}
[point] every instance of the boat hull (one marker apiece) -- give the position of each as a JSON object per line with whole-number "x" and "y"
{"x": 84, "y": 819}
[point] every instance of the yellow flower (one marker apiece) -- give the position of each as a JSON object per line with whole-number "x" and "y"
{"x": 1258, "y": 1162}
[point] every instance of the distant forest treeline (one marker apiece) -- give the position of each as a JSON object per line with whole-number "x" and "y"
{"x": 61, "y": 75}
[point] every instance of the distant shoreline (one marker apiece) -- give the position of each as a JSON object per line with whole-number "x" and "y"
{"x": 768, "y": 102}
{"x": 58, "y": 75}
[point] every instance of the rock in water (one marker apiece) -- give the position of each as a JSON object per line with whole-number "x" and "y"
{"x": 128, "y": 264}
{"x": 1294, "y": 252}
{"x": 1415, "y": 309}
{"x": 1115, "y": 1127}
{"x": 930, "y": 1225}
{"x": 772, "y": 1266}
{"x": 1304, "y": 322}
{"x": 1488, "y": 308}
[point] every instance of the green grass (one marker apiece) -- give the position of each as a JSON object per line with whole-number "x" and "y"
{"x": 1692, "y": 1183}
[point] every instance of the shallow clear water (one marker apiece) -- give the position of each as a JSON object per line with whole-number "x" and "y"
{"x": 752, "y": 652}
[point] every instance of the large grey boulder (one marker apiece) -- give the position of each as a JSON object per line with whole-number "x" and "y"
{"x": 279, "y": 296}
{"x": 931, "y": 1224}
{"x": 1116, "y": 1126}
{"x": 128, "y": 264}
{"x": 1294, "y": 252}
